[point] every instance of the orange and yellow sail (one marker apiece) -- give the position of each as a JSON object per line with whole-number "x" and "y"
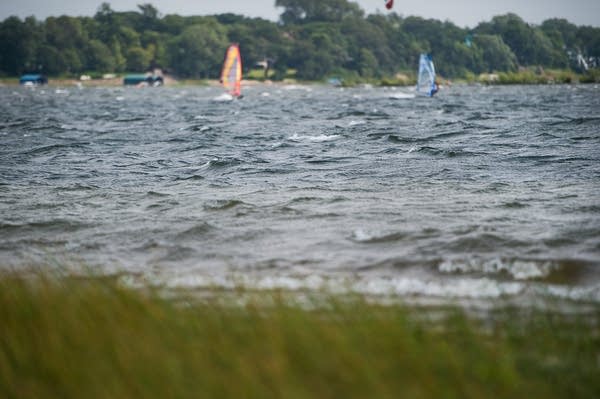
{"x": 231, "y": 74}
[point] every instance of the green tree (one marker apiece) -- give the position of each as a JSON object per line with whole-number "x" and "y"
{"x": 107, "y": 24}
{"x": 61, "y": 52}
{"x": 119, "y": 58}
{"x": 303, "y": 11}
{"x": 368, "y": 65}
{"x": 561, "y": 32}
{"x": 72, "y": 59}
{"x": 589, "y": 41}
{"x": 100, "y": 57}
{"x": 51, "y": 60}
{"x": 529, "y": 44}
{"x": 154, "y": 43}
{"x": 150, "y": 18}
{"x": 19, "y": 42}
{"x": 199, "y": 50}
{"x": 318, "y": 50}
{"x": 360, "y": 34}
{"x": 138, "y": 59}
{"x": 497, "y": 56}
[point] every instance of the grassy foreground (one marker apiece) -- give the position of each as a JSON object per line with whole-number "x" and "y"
{"x": 92, "y": 338}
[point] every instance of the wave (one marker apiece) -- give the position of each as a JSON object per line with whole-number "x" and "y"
{"x": 402, "y": 96}
{"x": 300, "y": 200}
{"x": 374, "y": 286}
{"x": 514, "y": 205}
{"x": 386, "y": 287}
{"x": 191, "y": 177}
{"x": 225, "y": 97}
{"x": 196, "y": 231}
{"x": 591, "y": 120}
{"x": 365, "y": 237}
{"x": 200, "y": 128}
{"x": 219, "y": 163}
{"x": 517, "y": 269}
{"x": 485, "y": 242}
{"x": 59, "y": 225}
{"x": 222, "y": 205}
{"x": 449, "y": 153}
{"x": 397, "y": 139}
{"x": 357, "y": 123}
{"x": 54, "y": 147}
{"x": 315, "y": 139}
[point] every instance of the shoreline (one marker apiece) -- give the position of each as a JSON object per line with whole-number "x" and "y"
{"x": 118, "y": 82}
{"x": 526, "y": 78}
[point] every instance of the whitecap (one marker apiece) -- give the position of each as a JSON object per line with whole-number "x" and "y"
{"x": 458, "y": 288}
{"x": 225, "y": 97}
{"x": 402, "y": 96}
{"x": 518, "y": 269}
{"x": 588, "y": 294}
{"x": 466, "y": 288}
{"x": 362, "y": 236}
{"x": 317, "y": 139}
{"x": 357, "y": 123}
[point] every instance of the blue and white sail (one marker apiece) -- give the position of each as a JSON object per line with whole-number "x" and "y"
{"x": 426, "y": 80}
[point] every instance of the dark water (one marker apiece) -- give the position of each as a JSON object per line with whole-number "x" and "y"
{"x": 483, "y": 193}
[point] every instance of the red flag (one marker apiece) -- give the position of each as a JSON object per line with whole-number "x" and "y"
{"x": 389, "y": 4}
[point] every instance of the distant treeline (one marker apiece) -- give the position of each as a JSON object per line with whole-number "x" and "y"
{"x": 315, "y": 38}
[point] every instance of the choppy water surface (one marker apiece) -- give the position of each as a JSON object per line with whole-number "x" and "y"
{"x": 482, "y": 192}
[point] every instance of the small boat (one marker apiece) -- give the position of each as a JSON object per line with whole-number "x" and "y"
{"x": 231, "y": 74}
{"x": 144, "y": 80}
{"x": 33, "y": 80}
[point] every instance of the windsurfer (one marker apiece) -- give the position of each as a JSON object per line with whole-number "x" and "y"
{"x": 435, "y": 88}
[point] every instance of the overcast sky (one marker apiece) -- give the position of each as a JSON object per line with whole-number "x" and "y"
{"x": 464, "y": 13}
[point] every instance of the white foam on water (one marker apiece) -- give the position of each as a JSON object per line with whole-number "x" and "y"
{"x": 317, "y": 139}
{"x": 208, "y": 164}
{"x": 455, "y": 288}
{"x": 357, "y": 123}
{"x": 470, "y": 288}
{"x": 518, "y": 269}
{"x": 225, "y": 97}
{"x": 402, "y": 96}
{"x": 403, "y": 287}
{"x": 578, "y": 294}
{"x": 362, "y": 235}
{"x": 298, "y": 87}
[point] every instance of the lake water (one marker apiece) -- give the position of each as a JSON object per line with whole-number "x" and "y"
{"x": 481, "y": 193}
